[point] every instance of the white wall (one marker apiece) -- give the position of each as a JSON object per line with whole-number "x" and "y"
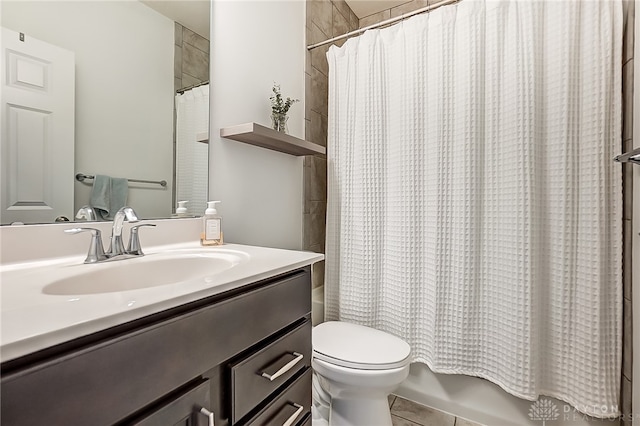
{"x": 124, "y": 89}
{"x": 255, "y": 43}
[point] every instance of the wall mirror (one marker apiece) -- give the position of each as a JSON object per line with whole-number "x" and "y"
{"x": 98, "y": 88}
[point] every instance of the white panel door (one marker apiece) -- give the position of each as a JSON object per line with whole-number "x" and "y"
{"x": 37, "y": 153}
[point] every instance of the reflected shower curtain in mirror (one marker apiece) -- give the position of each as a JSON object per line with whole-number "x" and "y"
{"x": 473, "y": 205}
{"x": 192, "y": 157}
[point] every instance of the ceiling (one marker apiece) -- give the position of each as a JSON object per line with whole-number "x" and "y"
{"x": 364, "y": 8}
{"x": 193, "y": 14}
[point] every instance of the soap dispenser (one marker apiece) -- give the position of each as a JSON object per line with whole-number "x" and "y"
{"x": 211, "y": 226}
{"x": 181, "y": 211}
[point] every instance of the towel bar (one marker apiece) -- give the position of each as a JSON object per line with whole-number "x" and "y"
{"x": 629, "y": 157}
{"x": 80, "y": 177}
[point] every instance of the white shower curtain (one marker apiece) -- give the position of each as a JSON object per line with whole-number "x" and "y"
{"x": 192, "y": 157}
{"x": 473, "y": 205}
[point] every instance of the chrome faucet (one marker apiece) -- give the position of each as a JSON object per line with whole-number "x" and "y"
{"x": 86, "y": 213}
{"x": 116, "y": 250}
{"x": 96, "y": 249}
{"x": 117, "y": 247}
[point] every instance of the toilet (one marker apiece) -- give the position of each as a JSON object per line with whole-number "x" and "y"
{"x": 355, "y": 369}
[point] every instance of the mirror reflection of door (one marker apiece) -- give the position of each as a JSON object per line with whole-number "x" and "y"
{"x": 131, "y": 58}
{"x": 37, "y": 163}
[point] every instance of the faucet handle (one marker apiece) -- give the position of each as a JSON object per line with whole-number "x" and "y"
{"x": 96, "y": 249}
{"x": 86, "y": 213}
{"x": 134, "y": 240}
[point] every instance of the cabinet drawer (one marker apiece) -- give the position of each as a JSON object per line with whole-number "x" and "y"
{"x": 183, "y": 409}
{"x": 263, "y": 372}
{"x": 292, "y": 407}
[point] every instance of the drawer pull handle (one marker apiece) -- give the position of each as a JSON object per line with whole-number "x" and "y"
{"x": 208, "y": 414}
{"x": 288, "y": 366}
{"x": 295, "y": 415}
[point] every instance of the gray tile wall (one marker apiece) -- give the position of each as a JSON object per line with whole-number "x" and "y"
{"x": 191, "y": 58}
{"x": 325, "y": 19}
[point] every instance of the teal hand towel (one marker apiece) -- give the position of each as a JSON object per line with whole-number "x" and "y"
{"x": 100, "y": 198}
{"x": 119, "y": 195}
{"x": 108, "y": 195}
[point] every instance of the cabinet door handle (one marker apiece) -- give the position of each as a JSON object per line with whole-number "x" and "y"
{"x": 208, "y": 414}
{"x": 288, "y": 366}
{"x": 295, "y": 415}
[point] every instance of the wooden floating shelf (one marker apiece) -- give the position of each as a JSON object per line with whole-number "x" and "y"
{"x": 202, "y": 137}
{"x": 265, "y": 137}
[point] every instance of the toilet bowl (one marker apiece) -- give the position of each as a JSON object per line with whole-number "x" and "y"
{"x": 355, "y": 368}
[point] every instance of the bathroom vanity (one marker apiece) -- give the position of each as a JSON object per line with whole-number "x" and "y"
{"x": 236, "y": 352}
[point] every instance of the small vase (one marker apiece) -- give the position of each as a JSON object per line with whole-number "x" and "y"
{"x": 279, "y": 122}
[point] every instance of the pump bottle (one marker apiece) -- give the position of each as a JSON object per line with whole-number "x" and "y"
{"x": 181, "y": 211}
{"x": 211, "y": 226}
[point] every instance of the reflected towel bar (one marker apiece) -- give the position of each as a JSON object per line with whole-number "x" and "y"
{"x": 629, "y": 157}
{"x": 80, "y": 177}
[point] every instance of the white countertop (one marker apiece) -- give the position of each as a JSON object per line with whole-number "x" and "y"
{"x": 32, "y": 320}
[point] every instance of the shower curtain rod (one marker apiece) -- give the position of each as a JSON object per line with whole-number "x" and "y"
{"x": 384, "y": 23}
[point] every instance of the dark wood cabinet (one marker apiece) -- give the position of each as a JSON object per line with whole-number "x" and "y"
{"x": 236, "y": 354}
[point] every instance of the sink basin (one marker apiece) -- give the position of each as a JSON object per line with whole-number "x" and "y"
{"x": 152, "y": 270}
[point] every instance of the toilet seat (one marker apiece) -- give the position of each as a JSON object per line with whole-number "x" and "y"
{"x": 356, "y": 346}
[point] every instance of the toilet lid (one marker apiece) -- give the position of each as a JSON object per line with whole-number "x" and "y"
{"x": 357, "y": 346}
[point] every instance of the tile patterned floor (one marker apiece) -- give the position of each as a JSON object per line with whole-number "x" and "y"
{"x": 408, "y": 413}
